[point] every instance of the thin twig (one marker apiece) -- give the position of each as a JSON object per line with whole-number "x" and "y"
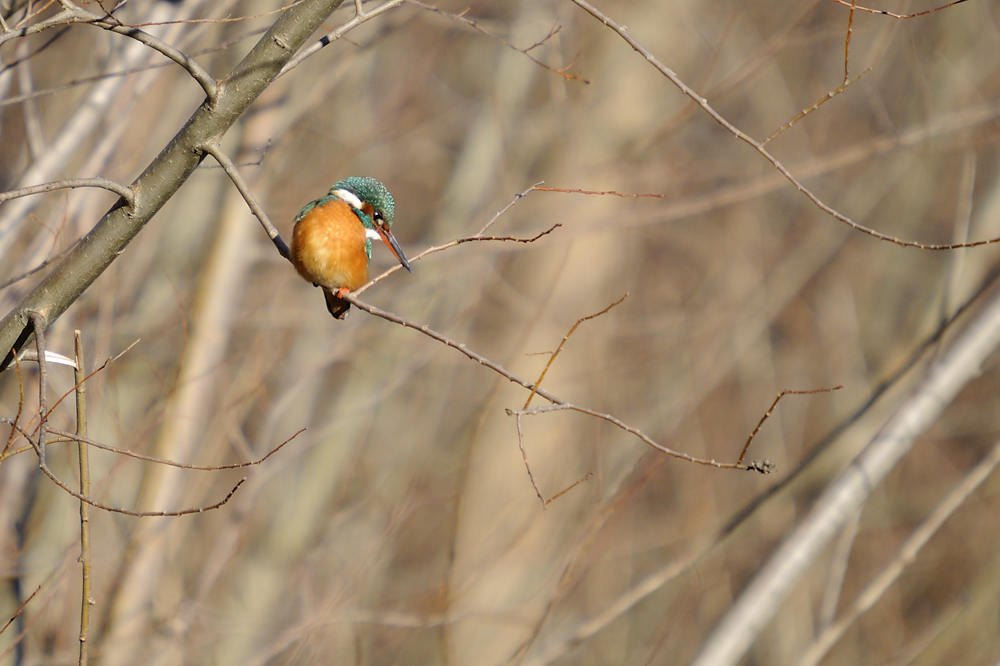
{"x": 20, "y": 609}
{"x": 478, "y": 236}
{"x": 123, "y": 191}
{"x": 531, "y": 475}
{"x": 805, "y": 112}
{"x": 220, "y": 46}
{"x": 20, "y": 409}
{"x": 852, "y": 5}
{"x": 38, "y": 324}
{"x": 503, "y": 211}
{"x": 524, "y": 457}
{"x": 767, "y": 414}
{"x": 833, "y": 93}
{"x": 461, "y": 18}
{"x": 568, "y": 488}
{"x": 573, "y": 190}
{"x": 758, "y": 146}
{"x": 847, "y": 42}
{"x": 513, "y": 239}
{"x": 339, "y": 32}
{"x": 138, "y": 514}
{"x": 459, "y": 346}
{"x": 197, "y": 72}
{"x": 558, "y": 404}
{"x": 562, "y": 343}
{"x": 38, "y": 441}
{"x": 94, "y": 372}
{"x": 215, "y": 150}
{"x": 73, "y": 13}
{"x": 63, "y": 436}
{"x": 761, "y": 466}
{"x": 84, "y": 460}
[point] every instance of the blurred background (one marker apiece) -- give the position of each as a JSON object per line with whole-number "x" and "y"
{"x": 401, "y": 527}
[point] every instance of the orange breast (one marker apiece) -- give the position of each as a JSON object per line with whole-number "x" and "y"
{"x": 328, "y": 247}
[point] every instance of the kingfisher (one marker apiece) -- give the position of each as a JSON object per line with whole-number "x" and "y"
{"x": 332, "y": 238}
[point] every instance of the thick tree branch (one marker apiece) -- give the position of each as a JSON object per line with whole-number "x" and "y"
{"x": 166, "y": 173}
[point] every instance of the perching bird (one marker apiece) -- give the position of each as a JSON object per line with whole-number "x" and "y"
{"x": 332, "y": 238}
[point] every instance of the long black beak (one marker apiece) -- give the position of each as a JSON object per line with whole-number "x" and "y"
{"x": 397, "y": 251}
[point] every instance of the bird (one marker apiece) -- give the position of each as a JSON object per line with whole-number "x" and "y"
{"x": 332, "y": 238}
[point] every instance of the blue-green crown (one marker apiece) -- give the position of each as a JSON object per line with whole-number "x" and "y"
{"x": 370, "y": 191}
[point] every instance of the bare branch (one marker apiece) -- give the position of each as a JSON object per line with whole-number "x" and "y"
{"x": 558, "y": 404}
{"x": 761, "y": 466}
{"x": 524, "y": 457}
{"x": 461, "y": 18}
{"x": 221, "y": 46}
{"x": 573, "y": 190}
{"x": 65, "y": 436}
{"x": 75, "y": 14}
{"x": 83, "y": 454}
{"x": 340, "y": 31}
{"x": 215, "y": 150}
{"x": 197, "y": 72}
{"x": 897, "y": 16}
{"x": 825, "y": 98}
{"x": 20, "y": 609}
{"x": 459, "y": 346}
{"x": 38, "y": 325}
{"x": 478, "y": 236}
{"x": 123, "y": 191}
{"x": 562, "y": 344}
{"x": 770, "y": 409}
{"x": 60, "y": 19}
{"x": 758, "y": 603}
{"x": 759, "y": 146}
{"x": 110, "y": 23}
{"x": 141, "y": 514}
{"x": 166, "y": 173}
{"x": 906, "y": 555}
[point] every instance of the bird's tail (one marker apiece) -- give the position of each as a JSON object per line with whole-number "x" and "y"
{"x": 338, "y": 307}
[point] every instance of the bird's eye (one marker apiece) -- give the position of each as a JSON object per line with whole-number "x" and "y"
{"x": 378, "y": 216}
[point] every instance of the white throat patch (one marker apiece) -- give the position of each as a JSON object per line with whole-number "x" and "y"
{"x": 348, "y": 197}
